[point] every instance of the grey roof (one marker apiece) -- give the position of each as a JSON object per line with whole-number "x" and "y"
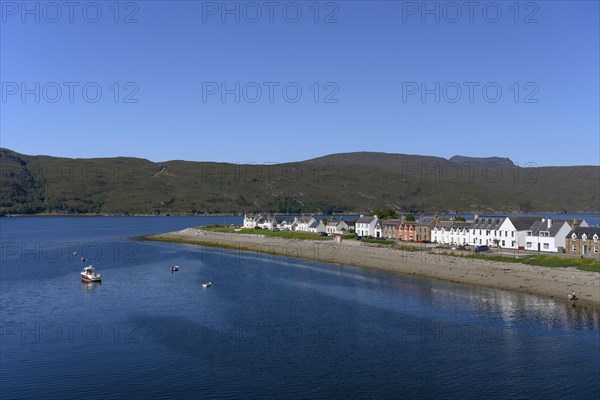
{"x": 444, "y": 224}
{"x": 284, "y": 219}
{"x": 391, "y": 222}
{"x": 523, "y": 223}
{"x": 461, "y": 224}
{"x": 365, "y": 220}
{"x": 589, "y": 231}
{"x": 314, "y": 224}
{"x": 334, "y": 223}
{"x": 304, "y": 219}
{"x": 542, "y": 225}
{"x": 492, "y": 222}
{"x": 426, "y": 221}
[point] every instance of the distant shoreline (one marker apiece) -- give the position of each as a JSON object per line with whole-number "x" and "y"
{"x": 538, "y": 280}
{"x": 284, "y": 214}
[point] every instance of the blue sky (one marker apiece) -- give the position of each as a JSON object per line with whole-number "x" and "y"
{"x": 374, "y": 76}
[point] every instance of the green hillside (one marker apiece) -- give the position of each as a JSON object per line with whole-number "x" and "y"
{"x": 352, "y": 182}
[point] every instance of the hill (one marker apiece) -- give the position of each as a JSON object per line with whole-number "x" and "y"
{"x": 350, "y": 182}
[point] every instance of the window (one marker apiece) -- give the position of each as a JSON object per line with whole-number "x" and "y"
{"x": 595, "y": 249}
{"x": 512, "y": 234}
{"x": 546, "y": 246}
{"x": 503, "y": 243}
{"x": 529, "y": 233}
{"x": 513, "y": 244}
{"x": 574, "y": 249}
{"x": 545, "y": 234}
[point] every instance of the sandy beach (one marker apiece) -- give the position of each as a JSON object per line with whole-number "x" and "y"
{"x": 545, "y": 281}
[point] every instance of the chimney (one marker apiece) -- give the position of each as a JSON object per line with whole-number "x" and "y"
{"x": 549, "y": 222}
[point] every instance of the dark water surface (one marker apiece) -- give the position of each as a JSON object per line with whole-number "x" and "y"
{"x": 269, "y": 326}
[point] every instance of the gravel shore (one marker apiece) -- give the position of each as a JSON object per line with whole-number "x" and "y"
{"x": 546, "y": 281}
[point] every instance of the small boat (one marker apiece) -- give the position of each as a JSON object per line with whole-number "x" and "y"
{"x": 207, "y": 284}
{"x": 89, "y": 274}
{"x": 572, "y": 296}
{"x": 175, "y": 268}
{"x": 83, "y": 259}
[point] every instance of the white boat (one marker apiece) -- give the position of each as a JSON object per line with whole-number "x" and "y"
{"x": 89, "y": 274}
{"x": 175, "y": 268}
{"x": 207, "y": 284}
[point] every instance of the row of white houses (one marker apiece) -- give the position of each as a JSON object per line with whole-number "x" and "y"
{"x": 299, "y": 224}
{"x": 508, "y": 232}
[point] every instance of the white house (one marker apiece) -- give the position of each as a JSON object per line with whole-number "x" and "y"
{"x": 378, "y": 231}
{"x": 365, "y": 226}
{"x": 513, "y": 232}
{"x": 286, "y": 224}
{"x": 485, "y": 230}
{"x": 251, "y": 220}
{"x": 549, "y": 235}
{"x": 338, "y": 227}
{"x": 460, "y": 232}
{"x": 441, "y": 232}
{"x": 317, "y": 227}
{"x": 267, "y": 222}
{"x": 301, "y": 224}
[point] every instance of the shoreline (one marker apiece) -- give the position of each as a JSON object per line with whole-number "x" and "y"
{"x": 539, "y": 280}
{"x": 241, "y": 214}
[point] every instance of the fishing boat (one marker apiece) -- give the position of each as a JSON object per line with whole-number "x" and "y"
{"x": 207, "y": 284}
{"x": 89, "y": 274}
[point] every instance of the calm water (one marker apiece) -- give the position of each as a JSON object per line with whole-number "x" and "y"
{"x": 269, "y": 326}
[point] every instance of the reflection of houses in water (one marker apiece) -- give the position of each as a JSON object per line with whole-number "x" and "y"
{"x": 521, "y": 311}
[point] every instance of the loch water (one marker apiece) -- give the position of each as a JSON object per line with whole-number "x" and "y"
{"x": 269, "y": 327}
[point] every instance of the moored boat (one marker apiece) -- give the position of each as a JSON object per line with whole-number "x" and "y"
{"x": 89, "y": 274}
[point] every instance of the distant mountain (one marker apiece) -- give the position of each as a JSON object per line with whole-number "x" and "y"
{"x": 478, "y": 160}
{"x": 347, "y": 182}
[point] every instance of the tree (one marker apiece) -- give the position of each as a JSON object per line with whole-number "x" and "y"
{"x": 460, "y": 218}
{"x": 385, "y": 214}
{"x": 410, "y": 217}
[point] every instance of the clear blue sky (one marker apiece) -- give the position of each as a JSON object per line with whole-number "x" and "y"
{"x": 375, "y": 58}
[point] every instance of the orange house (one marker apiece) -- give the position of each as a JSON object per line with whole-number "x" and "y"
{"x": 407, "y": 230}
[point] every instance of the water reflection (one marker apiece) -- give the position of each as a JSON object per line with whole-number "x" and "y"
{"x": 90, "y": 287}
{"x": 511, "y": 308}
